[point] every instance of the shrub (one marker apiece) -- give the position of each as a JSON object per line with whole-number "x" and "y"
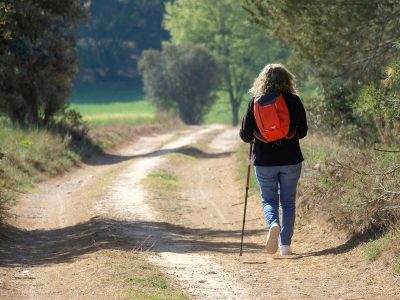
{"x": 69, "y": 123}
{"x": 355, "y": 187}
{"x": 380, "y": 105}
{"x": 181, "y": 79}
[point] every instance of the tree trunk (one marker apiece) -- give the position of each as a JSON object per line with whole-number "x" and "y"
{"x": 234, "y": 99}
{"x": 47, "y": 115}
{"x": 235, "y": 112}
{"x": 33, "y": 108}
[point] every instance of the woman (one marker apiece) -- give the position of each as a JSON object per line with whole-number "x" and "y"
{"x": 277, "y": 164}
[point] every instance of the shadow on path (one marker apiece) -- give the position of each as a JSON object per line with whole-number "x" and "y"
{"x": 110, "y": 159}
{"x": 38, "y": 247}
{"x": 352, "y": 243}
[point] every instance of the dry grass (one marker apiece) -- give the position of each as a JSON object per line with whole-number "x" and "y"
{"x": 344, "y": 185}
{"x": 29, "y": 156}
{"x": 340, "y": 186}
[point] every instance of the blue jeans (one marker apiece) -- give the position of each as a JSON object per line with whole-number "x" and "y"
{"x": 278, "y": 186}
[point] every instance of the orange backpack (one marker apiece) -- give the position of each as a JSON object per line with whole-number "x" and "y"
{"x": 272, "y": 118}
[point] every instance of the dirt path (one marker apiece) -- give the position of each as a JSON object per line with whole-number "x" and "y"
{"x": 72, "y": 226}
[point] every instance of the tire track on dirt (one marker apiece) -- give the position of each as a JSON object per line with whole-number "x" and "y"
{"x": 61, "y": 203}
{"x": 54, "y": 225}
{"x": 226, "y": 141}
{"x": 128, "y": 202}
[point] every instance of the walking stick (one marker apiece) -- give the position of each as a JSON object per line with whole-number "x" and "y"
{"x": 247, "y": 192}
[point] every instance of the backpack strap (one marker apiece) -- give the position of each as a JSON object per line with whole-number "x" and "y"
{"x": 259, "y": 137}
{"x": 291, "y": 135}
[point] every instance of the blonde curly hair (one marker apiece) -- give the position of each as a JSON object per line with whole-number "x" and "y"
{"x": 273, "y": 78}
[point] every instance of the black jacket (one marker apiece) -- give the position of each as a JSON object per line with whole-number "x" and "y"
{"x": 281, "y": 152}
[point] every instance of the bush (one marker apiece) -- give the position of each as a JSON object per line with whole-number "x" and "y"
{"x": 181, "y": 79}
{"x": 69, "y": 123}
{"x": 380, "y": 105}
{"x": 356, "y": 188}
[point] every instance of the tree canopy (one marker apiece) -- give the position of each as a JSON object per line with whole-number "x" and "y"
{"x": 340, "y": 39}
{"x": 181, "y": 79}
{"x": 222, "y": 27}
{"x": 37, "y": 57}
{"x": 347, "y": 45}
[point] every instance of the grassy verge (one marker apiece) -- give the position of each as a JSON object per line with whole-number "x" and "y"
{"x": 343, "y": 185}
{"x": 386, "y": 247}
{"x": 30, "y": 155}
{"x": 109, "y": 136}
{"x": 342, "y": 179}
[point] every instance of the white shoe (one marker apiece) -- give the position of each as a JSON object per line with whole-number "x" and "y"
{"x": 272, "y": 240}
{"x": 285, "y": 250}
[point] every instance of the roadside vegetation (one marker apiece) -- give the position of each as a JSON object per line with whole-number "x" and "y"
{"x": 29, "y": 155}
{"x": 354, "y": 189}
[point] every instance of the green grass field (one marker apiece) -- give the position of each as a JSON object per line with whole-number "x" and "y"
{"x": 109, "y": 105}
{"x": 112, "y": 105}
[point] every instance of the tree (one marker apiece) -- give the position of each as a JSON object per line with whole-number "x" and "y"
{"x": 180, "y": 78}
{"x": 221, "y": 26}
{"x": 347, "y": 43}
{"x": 37, "y": 57}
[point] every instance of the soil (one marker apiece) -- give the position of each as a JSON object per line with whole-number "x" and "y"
{"x": 62, "y": 238}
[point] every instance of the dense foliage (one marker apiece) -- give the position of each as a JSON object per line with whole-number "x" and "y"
{"x": 221, "y": 26}
{"x": 347, "y": 39}
{"x": 182, "y": 79}
{"x": 37, "y": 57}
{"x": 381, "y": 104}
{"x": 346, "y": 45}
{"x": 111, "y": 43}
